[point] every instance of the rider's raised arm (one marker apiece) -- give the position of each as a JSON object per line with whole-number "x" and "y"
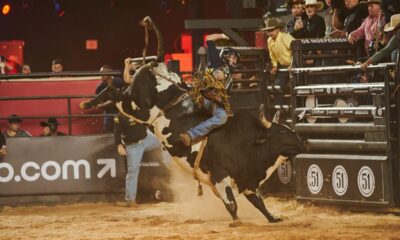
{"x": 213, "y": 54}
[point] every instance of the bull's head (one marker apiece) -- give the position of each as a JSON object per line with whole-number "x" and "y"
{"x": 281, "y": 139}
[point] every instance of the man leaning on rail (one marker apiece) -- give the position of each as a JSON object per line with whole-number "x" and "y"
{"x": 280, "y": 54}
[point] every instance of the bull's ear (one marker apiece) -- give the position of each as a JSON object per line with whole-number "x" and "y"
{"x": 263, "y": 119}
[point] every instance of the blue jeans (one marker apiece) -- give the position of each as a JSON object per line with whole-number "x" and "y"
{"x": 134, "y": 158}
{"x": 219, "y": 118}
{"x": 108, "y": 124}
{"x": 282, "y": 79}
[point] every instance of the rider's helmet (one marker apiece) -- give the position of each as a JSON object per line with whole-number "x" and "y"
{"x": 226, "y": 53}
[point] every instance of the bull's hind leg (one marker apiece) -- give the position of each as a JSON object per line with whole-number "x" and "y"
{"x": 257, "y": 202}
{"x": 224, "y": 189}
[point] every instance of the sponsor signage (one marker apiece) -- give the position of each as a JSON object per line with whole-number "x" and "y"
{"x": 62, "y": 165}
{"x": 350, "y": 112}
{"x": 339, "y": 89}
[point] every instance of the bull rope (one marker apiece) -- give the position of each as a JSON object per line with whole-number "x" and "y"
{"x": 196, "y": 166}
{"x": 169, "y": 80}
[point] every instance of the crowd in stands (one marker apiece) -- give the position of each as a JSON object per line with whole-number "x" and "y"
{"x": 11, "y": 66}
{"x": 361, "y": 22}
{"x": 50, "y": 127}
{"x": 371, "y": 25}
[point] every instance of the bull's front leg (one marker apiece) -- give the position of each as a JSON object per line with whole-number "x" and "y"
{"x": 257, "y": 202}
{"x": 224, "y": 189}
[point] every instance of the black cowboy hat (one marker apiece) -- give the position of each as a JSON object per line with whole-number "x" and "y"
{"x": 14, "y": 118}
{"x": 290, "y": 3}
{"x": 50, "y": 121}
{"x": 375, "y": 1}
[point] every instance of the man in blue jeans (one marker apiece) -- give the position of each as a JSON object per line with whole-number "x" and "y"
{"x": 133, "y": 139}
{"x": 221, "y": 67}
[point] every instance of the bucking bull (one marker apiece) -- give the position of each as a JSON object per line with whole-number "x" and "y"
{"x": 247, "y": 149}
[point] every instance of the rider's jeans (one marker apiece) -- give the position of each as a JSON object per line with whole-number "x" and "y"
{"x": 219, "y": 118}
{"x": 134, "y": 158}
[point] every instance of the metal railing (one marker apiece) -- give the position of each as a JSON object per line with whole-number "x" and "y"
{"x": 69, "y": 116}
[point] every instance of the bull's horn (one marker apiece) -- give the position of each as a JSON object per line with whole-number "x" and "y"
{"x": 147, "y": 21}
{"x": 263, "y": 119}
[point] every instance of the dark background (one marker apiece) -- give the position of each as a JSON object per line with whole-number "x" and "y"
{"x": 114, "y": 23}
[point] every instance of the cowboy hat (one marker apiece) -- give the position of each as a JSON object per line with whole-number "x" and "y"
{"x": 14, "y": 118}
{"x": 394, "y": 21}
{"x": 318, "y": 5}
{"x": 295, "y": 2}
{"x": 50, "y": 121}
{"x": 271, "y": 24}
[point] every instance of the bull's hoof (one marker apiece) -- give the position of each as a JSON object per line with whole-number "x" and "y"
{"x": 275, "y": 220}
{"x": 232, "y": 209}
{"x": 236, "y": 223}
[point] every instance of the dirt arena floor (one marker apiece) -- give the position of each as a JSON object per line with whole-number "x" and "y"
{"x": 192, "y": 217}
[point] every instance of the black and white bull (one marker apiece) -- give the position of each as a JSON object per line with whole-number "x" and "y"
{"x": 246, "y": 149}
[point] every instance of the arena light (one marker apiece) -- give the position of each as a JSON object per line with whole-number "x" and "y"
{"x": 6, "y": 9}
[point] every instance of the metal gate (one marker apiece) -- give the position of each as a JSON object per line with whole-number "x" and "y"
{"x": 352, "y": 128}
{"x": 247, "y": 90}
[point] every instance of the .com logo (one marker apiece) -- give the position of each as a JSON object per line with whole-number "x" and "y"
{"x": 52, "y": 170}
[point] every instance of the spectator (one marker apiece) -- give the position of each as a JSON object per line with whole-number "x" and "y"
{"x": 107, "y": 80}
{"x": 295, "y": 25}
{"x": 370, "y": 28}
{"x": 50, "y": 128}
{"x": 357, "y": 12}
{"x": 328, "y": 17}
{"x": 57, "y": 66}
{"x": 4, "y": 66}
{"x": 14, "y": 124}
{"x": 108, "y": 121}
{"x": 26, "y": 69}
{"x": 3, "y": 145}
{"x": 12, "y": 64}
{"x": 390, "y": 7}
{"x": 339, "y": 14}
{"x": 280, "y": 53}
{"x": 394, "y": 42}
{"x": 308, "y": 24}
{"x": 315, "y": 24}
{"x": 128, "y": 140}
